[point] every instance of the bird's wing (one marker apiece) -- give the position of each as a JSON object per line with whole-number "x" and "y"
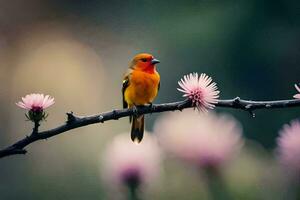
{"x": 158, "y": 86}
{"x": 126, "y": 82}
{"x": 125, "y": 86}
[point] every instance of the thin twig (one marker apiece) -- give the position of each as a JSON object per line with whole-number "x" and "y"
{"x": 74, "y": 122}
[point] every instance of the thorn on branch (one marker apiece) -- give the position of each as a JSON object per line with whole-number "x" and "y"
{"x": 71, "y": 117}
{"x": 237, "y": 100}
{"x": 249, "y": 108}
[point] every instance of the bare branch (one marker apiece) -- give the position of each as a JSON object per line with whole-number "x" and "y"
{"x": 76, "y": 121}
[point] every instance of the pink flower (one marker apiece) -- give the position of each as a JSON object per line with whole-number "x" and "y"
{"x": 36, "y": 102}
{"x": 289, "y": 147}
{"x": 201, "y": 90}
{"x": 126, "y": 163}
{"x": 205, "y": 140}
{"x": 297, "y": 96}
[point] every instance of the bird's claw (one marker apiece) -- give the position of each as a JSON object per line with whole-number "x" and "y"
{"x": 150, "y": 105}
{"x": 135, "y": 111}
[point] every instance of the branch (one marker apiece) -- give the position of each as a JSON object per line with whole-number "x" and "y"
{"x": 76, "y": 121}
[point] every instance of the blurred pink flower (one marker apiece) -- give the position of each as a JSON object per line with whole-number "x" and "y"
{"x": 297, "y": 96}
{"x": 289, "y": 147}
{"x": 36, "y": 102}
{"x": 126, "y": 163}
{"x": 201, "y": 90}
{"x": 205, "y": 140}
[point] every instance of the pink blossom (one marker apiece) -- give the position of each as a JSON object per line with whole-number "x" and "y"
{"x": 36, "y": 102}
{"x": 205, "y": 140}
{"x": 297, "y": 96}
{"x": 289, "y": 147}
{"x": 126, "y": 163}
{"x": 201, "y": 90}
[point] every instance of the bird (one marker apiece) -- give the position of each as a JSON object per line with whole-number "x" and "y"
{"x": 141, "y": 84}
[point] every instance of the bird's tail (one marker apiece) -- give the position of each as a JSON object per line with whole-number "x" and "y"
{"x": 137, "y": 129}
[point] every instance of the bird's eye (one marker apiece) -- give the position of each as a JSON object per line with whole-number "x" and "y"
{"x": 144, "y": 59}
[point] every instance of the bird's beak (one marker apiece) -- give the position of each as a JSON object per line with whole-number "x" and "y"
{"x": 154, "y": 61}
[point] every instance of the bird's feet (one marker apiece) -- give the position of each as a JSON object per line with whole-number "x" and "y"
{"x": 135, "y": 108}
{"x": 135, "y": 111}
{"x": 150, "y": 105}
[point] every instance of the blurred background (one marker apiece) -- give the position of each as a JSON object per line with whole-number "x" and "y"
{"x": 77, "y": 51}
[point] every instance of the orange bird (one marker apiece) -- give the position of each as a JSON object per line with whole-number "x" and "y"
{"x": 140, "y": 87}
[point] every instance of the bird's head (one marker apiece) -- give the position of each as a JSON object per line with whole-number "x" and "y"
{"x": 144, "y": 62}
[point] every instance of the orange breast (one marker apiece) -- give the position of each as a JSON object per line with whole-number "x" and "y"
{"x": 142, "y": 89}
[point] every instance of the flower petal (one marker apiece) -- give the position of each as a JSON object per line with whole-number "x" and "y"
{"x": 200, "y": 89}
{"x": 33, "y": 101}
